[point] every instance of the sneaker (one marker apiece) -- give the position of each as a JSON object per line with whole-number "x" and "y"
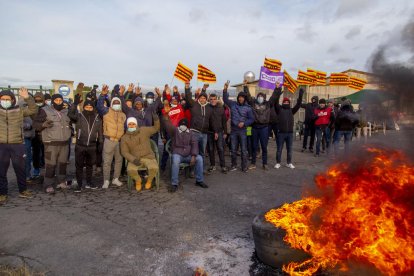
{"x": 62, "y": 185}
{"x": 25, "y": 194}
{"x": 245, "y": 170}
{"x": 116, "y": 182}
{"x": 106, "y": 184}
{"x": 311, "y": 150}
{"x": 290, "y": 165}
{"x": 93, "y": 186}
{"x": 201, "y": 184}
{"x": 316, "y": 154}
{"x": 173, "y": 188}
{"x": 265, "y": 168}
{"x": 251, "y": 167}
{"x": 277, "y": 166}
{"x": 224, "y": 170}
{"x": 3, "y": 198}
{"x": 78, "y": 189}
{"x": 233, "y": 168}
{"x": 211, "y": 169}
{"x": 88, "y": 186}
{"x": 303, "y": 150}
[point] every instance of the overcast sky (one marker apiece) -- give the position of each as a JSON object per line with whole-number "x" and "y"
{"x": 142, "y": 41}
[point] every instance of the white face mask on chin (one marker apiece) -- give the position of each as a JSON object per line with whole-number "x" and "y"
{"x": 183, "y": 128}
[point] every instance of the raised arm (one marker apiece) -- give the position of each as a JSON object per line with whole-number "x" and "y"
{"x": 226, "y": 99}
{"x": 168, "y": 126}
{"x": 31, "y": 108}
{"x": 102, "y": 109}
{"x": 188, "y": 95}
{"x": 246, "y": 91}
{"x": 299, "y": 101}
{"x": 272, "y": 99}
{"x": 277, "y": 105}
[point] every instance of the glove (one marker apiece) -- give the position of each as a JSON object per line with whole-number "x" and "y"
{"x": 78, "y": 99}
{"x": 136, "y": 162}
{"x": 47, "y": 124}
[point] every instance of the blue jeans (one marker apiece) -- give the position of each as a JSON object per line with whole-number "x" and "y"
{"x": 325, "y": 131}
{"x": 347, "y": 137}
{"x": 260, "y": 135}
{"x": 283, "y": 137}
{"x": 239, "y": 137}
{"x": 29, "y": 158}
{"x": 175, "y": 167}
{"x": 202, "y": 141}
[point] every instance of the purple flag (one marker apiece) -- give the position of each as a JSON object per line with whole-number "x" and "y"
{"x": 269, "y": 78}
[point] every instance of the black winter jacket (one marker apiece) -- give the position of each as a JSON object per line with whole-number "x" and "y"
{"x": 262, "y": 112}
{"x": 310, "y": 110}
{"x": 286, "y": 120}
{"x": 200, "y": 115}
{"x": 346, "y": 120}
{"x": 218, "y": 119}
{"x": 89, "y": 129}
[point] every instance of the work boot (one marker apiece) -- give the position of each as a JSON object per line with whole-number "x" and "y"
{"x": 3, "y": 199}
{"x": 201, "y": 184}
{"x": 25, "y": 194}
{"x": 148, "y": 185}
{"x": 138, "y": 185}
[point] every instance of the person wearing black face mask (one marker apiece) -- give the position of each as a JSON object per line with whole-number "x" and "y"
{"x": 54, "y": 125}
{"x": 88, "y": 133}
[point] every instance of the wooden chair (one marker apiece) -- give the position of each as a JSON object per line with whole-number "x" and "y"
{"x": 156, "y": 179}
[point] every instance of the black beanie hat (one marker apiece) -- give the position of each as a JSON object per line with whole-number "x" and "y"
{"x": 88, "y": 102}
{"x": 322, "y": 101}
{"x": 183, "y": 121}
{"x": 47, "y": 96}
{"x": 56, "y": 96}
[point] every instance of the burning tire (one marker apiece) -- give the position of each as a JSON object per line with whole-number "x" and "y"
{"x": 270, "y": 247}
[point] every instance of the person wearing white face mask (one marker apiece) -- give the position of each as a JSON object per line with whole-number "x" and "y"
{"x": 136, "y": 148}
{"x": 11, "y": 139}
{"x": 113, "y": 129}
{"x": 37, "y": 144}
{"x": 260, "y": 128}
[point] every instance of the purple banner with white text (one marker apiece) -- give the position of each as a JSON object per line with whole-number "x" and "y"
{"x": 269, "y": 78}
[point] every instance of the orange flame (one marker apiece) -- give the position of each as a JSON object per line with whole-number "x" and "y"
{"x": 365, "y": 214}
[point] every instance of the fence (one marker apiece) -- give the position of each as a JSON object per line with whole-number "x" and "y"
{"x": 31, "y": 91}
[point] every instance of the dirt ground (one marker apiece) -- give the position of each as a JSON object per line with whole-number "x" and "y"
{"x": 116, "y": 232}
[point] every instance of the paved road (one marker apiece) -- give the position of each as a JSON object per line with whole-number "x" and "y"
{"x": 115, "y": 232}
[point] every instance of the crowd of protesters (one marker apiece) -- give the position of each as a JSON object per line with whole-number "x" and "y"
{"x": 118, "y": 128}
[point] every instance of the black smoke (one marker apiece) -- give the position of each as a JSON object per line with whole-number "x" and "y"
{"x": 396, "y": 78}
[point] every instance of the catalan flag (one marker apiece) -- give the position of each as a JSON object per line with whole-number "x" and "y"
{"x": 306, "y": 78}
{"x": 289, "y": 82}
{"x": 339, "y": 79}
{"x": 205, "y": 75}
{"x": 356, "y": 83}
{"x": 320, "y": 76}
{"x": 183, "y": 73}
{"x": 272, "y": 64}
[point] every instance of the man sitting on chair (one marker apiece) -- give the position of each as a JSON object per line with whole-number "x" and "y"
{"x": 136, "y": 148}
{"x": 184, "y": 149}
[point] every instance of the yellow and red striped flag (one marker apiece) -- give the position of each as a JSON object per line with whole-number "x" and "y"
{"x": 339, "y": 79}
{"x": 272, "y": 64}
{"x": 183, "y": 73}
{"x": 320, "y": 76}
{"x": 306, "y": 78}
{"x": 356, "y": 83}
{"x": 289, "y": 82}
{"x": 205, "y": 75}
